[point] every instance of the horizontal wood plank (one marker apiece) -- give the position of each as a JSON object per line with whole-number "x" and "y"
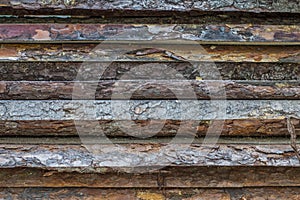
{"x": 121, "y": 52}
{"x": 115, "y": 32}
{"x": 130, "y": 5}
{"x": 151, "y": 89}
{"x": 68, "y": 71}
{"x": 178, "y": 177}
{"x": 60, "y": 128}
{"x": 113, "y": 17}
{"x": 80, "y": 110}
{"x": 135, "y": 157}
{"x": 280, "y": 193}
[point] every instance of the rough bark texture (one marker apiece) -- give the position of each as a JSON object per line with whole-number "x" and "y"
{"x": 134, "y": 156}
{"x": 144, "y": 194}
{"x": 67, "y": 71}
{"x": 121, "y": 52}
{"x": 116, "y": 32}
{"x": 292, "y": 6}
{"x": 152, "y": 89}
{"x": 253, "y": 45}
{"x": 37, "y": 83}
{"x": 180, "y": 177}
{"x": 247, "y": 127}
{"x": 147, "y": 109}
{"x": 173, "y": 18}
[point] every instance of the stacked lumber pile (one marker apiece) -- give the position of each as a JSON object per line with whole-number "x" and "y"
{"x": 84, "y": 84}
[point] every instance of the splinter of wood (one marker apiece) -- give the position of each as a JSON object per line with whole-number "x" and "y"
{"x": 148, "y": 51}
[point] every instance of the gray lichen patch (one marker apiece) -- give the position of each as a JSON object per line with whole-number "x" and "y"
{"x": 145, "y": 109}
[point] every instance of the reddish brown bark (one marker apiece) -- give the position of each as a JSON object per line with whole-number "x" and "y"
{"x": 152, "y": 89}
{"x": 185, "y": 177}
{"x": 251, "y": 127}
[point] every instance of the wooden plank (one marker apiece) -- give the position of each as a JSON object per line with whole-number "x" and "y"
{"x": 196, "y": 18}
{"x": 183, "y": 18}
{"x": 217, "y": 33}
{"x": 246, "y": 127}
{"x": 280, "y": 193}
{"x": 178, "y": 177}
{"x": 147, "y": 6}
{"x": 67, "y": 71}
{"x": 138, "y": 156}
{"x": 121, "y": 52}
{"x": 152, "y": 89}
{"x": 147, "y": 109}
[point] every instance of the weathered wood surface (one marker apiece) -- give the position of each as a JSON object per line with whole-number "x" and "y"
{"x": 116, "y": 32}
{"x": 145, "y": 155}
{"x": 40, "y": 61}
{"x": 152, "y": 89}
{"x": 291, "y": 6}
{"x": 147, "y": 109}
{"x": 120, "y": 52}
{"x": 67, "y": 71}
{"x": 173, "y": 18}
{"x": 247, "y": 127}
{"x": 277, "y": 193}
{"x": 174, "y": 177}
{"x": 179, "y": 177}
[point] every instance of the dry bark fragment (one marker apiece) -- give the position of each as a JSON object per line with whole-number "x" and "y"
{"x": 292, "y": 131}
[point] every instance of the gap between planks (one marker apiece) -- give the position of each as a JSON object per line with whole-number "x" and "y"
{"x": 73, "y": 140}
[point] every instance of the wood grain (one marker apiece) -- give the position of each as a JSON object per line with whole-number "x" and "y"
{"x": 151, "y": 89}
{"x": 61, "y": 128}
{"x": 178, "y": 177}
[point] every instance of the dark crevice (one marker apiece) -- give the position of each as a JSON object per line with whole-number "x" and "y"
{"x": 156, "y": 18}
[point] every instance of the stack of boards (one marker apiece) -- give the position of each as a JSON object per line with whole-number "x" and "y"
{"x": 83, "y": 84}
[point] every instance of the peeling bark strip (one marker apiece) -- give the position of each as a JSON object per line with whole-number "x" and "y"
{"x": 85, "y": 6}
{"x": 147, "y": 109}
{"x": 145, "y": 155}
{"x": 152, "y": 89}
{"x": 144, "y": 194}
{"x": 67, "y": 71}
{"x": 247, "y": 127}
{"x": 117, "y": 32}
{"x": 209, "y": 53}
